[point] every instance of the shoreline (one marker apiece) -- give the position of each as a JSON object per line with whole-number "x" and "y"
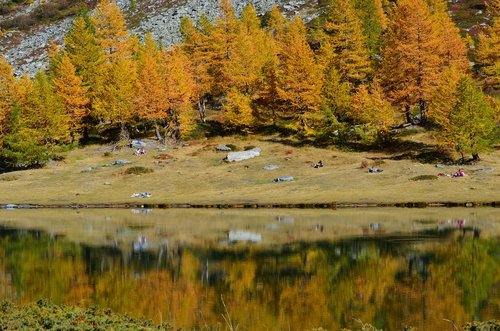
{"x": 330, "y": 205}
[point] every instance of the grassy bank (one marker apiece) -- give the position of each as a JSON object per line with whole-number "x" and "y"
{"x": 195, "y": 173}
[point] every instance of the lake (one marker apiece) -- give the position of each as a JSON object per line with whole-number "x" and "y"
{"x": 273, "y": 269}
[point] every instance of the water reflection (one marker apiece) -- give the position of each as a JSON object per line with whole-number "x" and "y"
{"x": 445, "y": 270}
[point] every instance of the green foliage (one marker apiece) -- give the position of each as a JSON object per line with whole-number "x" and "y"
{"x": 472, "y": 119}
{"x": 44, "y": 315}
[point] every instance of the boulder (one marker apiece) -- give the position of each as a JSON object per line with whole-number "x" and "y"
{"x": 244, "y": 155}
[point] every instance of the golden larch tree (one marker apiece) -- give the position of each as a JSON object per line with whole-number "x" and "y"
{"x": 7, "y": 93}
{"x": 196, "y": 45}
{"x": 299, "y": 77}
{"x": 70, "y": 90}
{"x": 151, "y": 91}
{"x": 180, "y": 88}
{"x": 345, "y": 36}
{"x": 488, "y": 51}
{"x": 111, "y": 31}
{"x": 370, "y": 107}
{"x": 411, "y": 60}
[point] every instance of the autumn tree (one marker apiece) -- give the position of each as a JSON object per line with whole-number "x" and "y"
{"x": 111, "y": 31}
{"x": 7, "y": 94}
{"x": 223, "y": 44}
{"x": 151, "y": 91}
{"x": 373, "y": 22}
{"x": 299, "y": 78}
{"x": 180, "y": 85}
{"x": 252, "y": 51}
{"x": 411, "y": 62}
{"x": 370, "y": 107}
{"x": 71, "y": 92}
{"x": 345, "y": 36}
{"x": 488, "y": 51}
{"x": 472, "y": 120}
{"x": 196, "y": 45}
{"x": 453, "y": 50}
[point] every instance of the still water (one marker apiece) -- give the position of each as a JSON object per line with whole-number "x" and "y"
{"x": 272, "y": 269}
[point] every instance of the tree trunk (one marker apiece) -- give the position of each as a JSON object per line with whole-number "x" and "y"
{"x": 124, "y": 136}
{"x": 201, "y": 109}
{"x": 423, "y": 111}
{"x": 157, "y": 131}
{"x": 408, "y": 114}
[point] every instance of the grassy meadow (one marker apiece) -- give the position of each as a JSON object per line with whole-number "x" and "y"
{"x": 196, "y": 173}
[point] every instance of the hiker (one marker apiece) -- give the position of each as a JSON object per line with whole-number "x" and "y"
{"x": 459, "y": 173}
{"x": 140, "y": 151}
{"x": 374, "y": 170}
{"x": 318, "y": 165}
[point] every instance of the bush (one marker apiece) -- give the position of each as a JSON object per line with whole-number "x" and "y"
{"x": 424, "y": 177}
{"x": 138, "y": 170}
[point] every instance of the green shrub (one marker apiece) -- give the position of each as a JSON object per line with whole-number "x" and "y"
{"x": 138, "y": 170}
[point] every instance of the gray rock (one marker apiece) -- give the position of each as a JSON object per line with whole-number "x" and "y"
{"x": 119, "y": 162}
{"x": 88, "y": 169}
{"x": 283, "y": 179}
{"x": 244, "y": 155}
{"x": 440, "y": 166}
{"x": 271, "y": 167}
{"x": 223, "y": 148}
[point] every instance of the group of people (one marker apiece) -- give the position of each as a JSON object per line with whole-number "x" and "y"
{"x": 140, "y": 151}
{"x": 459, "y": 173}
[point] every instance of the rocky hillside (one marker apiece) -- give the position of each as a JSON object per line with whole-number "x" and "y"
{"x": 27, "y": 26}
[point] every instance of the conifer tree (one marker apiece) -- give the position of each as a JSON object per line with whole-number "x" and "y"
{"x": 116, "y": 99}
{"x": 196, "y": 45}
{"x": 488, "y": 51}
{"x": 299, "y": 79}
{"x": 7, "y": 94}
{"x": 344, "y": 34}
{"x": 411, "y": 62}
{"x": 472, "y": 120}
{"x": 43, "y": 111}
{"x": 151, "y": 91}
{"x": 111, "y": 31}
{"x": 82, "y": 48}
{"x": 453, "y": 50}
{"x": 370, "y": 107}
{"x": 71, "y": 92}
{"x": 373, "y": 22}
{"x": 180, "y": 86}
{"x": 223, "y": 44}
{"x": 335, "y": 95}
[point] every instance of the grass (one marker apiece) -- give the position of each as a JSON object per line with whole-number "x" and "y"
{"x": 196, "y": 174}
{"x": 44, "y": 315}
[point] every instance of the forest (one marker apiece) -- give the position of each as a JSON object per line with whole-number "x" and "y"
{"x": 355, "y": 73}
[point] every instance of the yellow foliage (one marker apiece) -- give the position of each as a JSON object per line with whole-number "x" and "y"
{"x": 7, "y": 93}
{"x": 238, "y": 109}
{"x": 488, "y": 51}
{"x": 370, "y": 107}
{"x": 68, "y": 87}
{"x": 111, "y": 31}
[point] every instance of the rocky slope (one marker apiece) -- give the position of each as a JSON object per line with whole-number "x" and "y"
{"x": 25, "y": 46}
{"x": 29, "y": 25}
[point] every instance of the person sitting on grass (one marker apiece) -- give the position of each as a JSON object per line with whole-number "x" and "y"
{"x": 459, "y": 173}
{"x": 374, "y": 169}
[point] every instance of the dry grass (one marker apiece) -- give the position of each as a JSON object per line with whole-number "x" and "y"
{"x": 197, "y": 174}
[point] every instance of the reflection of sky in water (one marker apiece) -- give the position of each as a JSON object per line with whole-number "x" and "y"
{"x": 170, "y": 266}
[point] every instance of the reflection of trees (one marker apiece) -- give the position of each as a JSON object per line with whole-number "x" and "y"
{"x": 384, "y": 281}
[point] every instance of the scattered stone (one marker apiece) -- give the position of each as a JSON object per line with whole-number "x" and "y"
{"x": 238, "y": 235}
{"x": 244, "y": 155}
{"x": 271, "y": 167}
{"x": 223, "y": 148}
{"x": 107, "y": 183}
{"x": 283, "y": 179}
{"x": 88, "y": 169}
{"x": 141, "y": 195}
{"x": 440, "y": 166}
{"x": 119, "y": 163}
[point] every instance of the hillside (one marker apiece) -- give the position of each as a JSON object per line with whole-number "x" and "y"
{"x": 26, "y": 27}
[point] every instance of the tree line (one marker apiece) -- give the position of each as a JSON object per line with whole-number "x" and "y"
{"x": 355, "y": 72}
